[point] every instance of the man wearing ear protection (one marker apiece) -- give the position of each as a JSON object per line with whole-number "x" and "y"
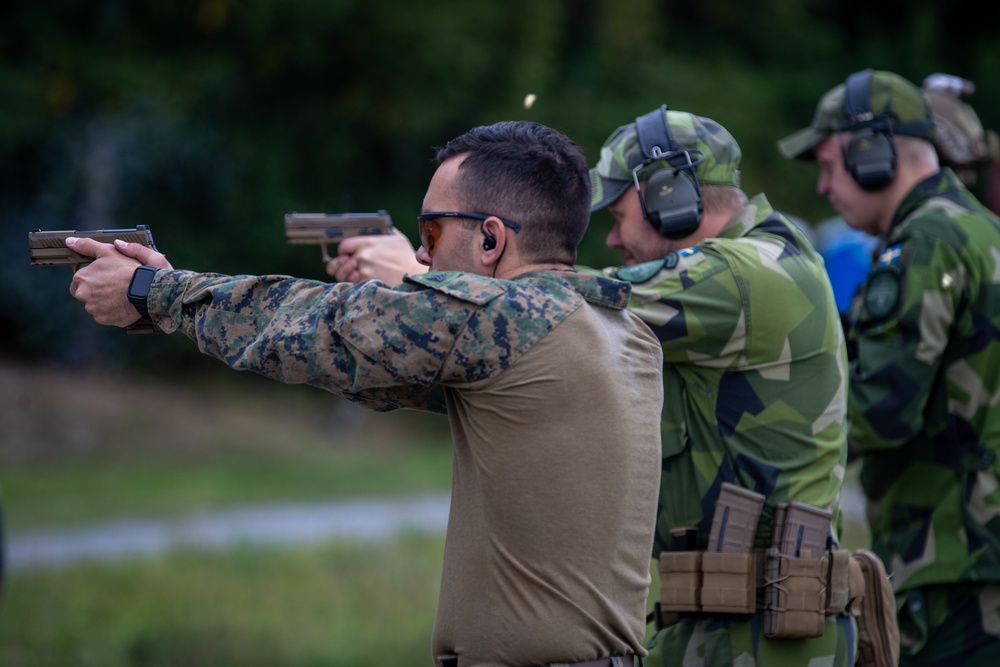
{"x": 754, "y": 377}
{"x": 924, "y": 384}
{"x": 754, "y": 372}
{"x": 962, "y": 143}
{"x": 551, "y": 386}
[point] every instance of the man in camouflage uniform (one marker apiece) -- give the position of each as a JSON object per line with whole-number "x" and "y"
{"x": 552, "y": 388}
{"x": 754, "y": 375}
{"x": 923, "y": 411}
{"x": 962, "y": 143}
{"x": 754, "y": 366}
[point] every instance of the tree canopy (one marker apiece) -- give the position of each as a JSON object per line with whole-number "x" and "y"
{"x": 210, "y": 119}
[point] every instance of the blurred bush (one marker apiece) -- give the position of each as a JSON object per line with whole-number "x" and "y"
{"x": 209, "y": 119}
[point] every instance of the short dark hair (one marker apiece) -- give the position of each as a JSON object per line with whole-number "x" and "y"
{"x": 531, "y": 174}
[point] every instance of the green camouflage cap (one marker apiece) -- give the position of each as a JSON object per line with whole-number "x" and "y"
{"x": 621, "y": 154}
{"x": 890, "y": 96}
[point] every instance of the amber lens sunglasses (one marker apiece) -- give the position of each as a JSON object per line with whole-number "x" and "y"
{"x": 430, "y": 229}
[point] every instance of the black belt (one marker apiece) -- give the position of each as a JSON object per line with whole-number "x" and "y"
{"x": 613, "y": 661}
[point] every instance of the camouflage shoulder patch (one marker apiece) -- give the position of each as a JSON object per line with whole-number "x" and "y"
{"x": 883, "y": 292}
{"x": 640, "y": 273}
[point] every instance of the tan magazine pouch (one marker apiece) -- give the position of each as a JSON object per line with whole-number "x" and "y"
{"x": 798, "y": 590}
{"x": 729, "y": 583}
{"x": 680, "y": 581}
{"x": 713, "y": 582}
{"x": 795, "y": 596}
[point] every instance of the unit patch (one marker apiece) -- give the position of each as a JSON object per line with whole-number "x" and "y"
{"x": 882, "y": 293}
{"x": 640, "y": 273}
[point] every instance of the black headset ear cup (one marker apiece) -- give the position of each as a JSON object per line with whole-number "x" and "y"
{"x": 673, "y": 202}
{"x": 871, "y": 158}
{"x": 489, "y": 242}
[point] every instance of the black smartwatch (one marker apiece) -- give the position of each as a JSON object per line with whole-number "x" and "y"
{"x": 138, "y": 289}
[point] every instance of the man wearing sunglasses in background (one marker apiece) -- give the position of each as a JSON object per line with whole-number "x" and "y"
{"x": 552, "y": 388}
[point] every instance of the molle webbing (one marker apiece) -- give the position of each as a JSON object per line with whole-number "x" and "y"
{"x": 795, "y": 583}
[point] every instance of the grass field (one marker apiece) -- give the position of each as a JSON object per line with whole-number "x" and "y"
{"x": 250, "y": 606}
{"x": 78, "y": 447}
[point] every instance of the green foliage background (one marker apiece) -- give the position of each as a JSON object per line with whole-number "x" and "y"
{"x": 209, "y": 119}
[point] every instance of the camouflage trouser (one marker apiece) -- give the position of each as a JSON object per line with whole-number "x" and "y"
{"x": 718, "y": 641}
{"x": 953, "y": 625}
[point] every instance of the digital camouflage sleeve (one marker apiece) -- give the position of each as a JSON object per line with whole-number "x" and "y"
{"x": 338, "y": 336}
{"x": 925, "y": 388}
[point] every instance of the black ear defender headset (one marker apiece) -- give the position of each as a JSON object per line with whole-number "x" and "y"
{"x": 672, "y": 203}
{"x": 871, "y": 155}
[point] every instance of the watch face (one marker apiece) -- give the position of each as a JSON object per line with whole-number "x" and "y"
{"x": 138, "y": 289}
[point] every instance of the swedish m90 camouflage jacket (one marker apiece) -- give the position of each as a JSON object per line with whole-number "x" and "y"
{"x": 754, "y": 371}
{"x": 925, "y": 389}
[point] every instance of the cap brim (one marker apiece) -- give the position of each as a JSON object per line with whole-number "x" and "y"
{"x": 604, "y": 191}
{"x": 801, "y": 144}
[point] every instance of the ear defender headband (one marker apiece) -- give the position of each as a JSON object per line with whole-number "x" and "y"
{"x": 871, "y": 154}
{"x": 672, "y": 203}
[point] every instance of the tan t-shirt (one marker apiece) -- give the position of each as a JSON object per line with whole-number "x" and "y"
{"x": 554, "y": 499}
